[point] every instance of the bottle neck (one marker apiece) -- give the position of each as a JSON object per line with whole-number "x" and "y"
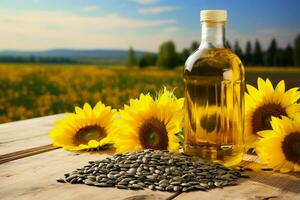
{"x": 213, "y": 35}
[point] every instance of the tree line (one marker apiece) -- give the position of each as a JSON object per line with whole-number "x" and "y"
{"x": 34, "y": 59}
{"x": 253, "y": 55}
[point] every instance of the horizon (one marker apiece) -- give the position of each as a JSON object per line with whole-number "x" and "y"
{"x": 41, "y": 25}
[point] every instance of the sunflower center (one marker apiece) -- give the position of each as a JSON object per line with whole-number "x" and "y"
{"x": 85, "y": 134}
{"x": 262, "y": 116}
{"x": 291, "y": 147}
{"x": 153, "y": 135}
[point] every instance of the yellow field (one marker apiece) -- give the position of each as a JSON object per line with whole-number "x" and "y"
{"x": 37, "y": 90}
{"x": 32, "y": 90}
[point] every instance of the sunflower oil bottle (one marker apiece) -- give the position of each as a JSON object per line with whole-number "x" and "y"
{"x": 214, "y": 96}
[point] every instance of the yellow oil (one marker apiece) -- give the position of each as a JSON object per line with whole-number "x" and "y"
{"x": 214, "y": 106}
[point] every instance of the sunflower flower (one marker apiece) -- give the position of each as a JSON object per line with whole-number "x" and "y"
{"x": 149, "y": 123}
{"x": 265, "y": 102}
{"x": 86, "y": 129}
{"x": 279, "y": 148}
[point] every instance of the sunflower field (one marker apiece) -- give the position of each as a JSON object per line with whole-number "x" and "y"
{"x": 32, "y": 90}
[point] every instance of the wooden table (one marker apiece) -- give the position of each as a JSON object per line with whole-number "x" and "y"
{"x": 30, "y": 165}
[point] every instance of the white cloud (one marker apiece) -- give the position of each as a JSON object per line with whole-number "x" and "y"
{"x": 173, "y": 29}
{"x": 146, "y": 1}
{"x": 90, "y": 8}
{"x": 157, "y": 10}
{"x": 45, "y": 30}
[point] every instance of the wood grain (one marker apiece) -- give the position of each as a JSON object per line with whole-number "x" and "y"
{"x": 248, "y": 190}
{"x": 26, "y": 134}
{"x": 261, "y": 186}
{"x": 34, "y": 178}
{"x": 25, "y": 153}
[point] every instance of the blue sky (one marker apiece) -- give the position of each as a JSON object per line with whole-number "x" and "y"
{"x": 143, "y": 24}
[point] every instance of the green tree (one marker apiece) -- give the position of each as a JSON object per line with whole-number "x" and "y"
{"x": 183, "y": 56}
{"x": 237, "y": 49}
{"x": 284, "y": 57}
{"x": 131, "y": 60}
{"x": 248, "y": 54}
{"x": 289, "y": 53}
{"x": 270, "y": 54}
{"x": 257, "y": 54}
{"x": 147, "y": 60}
{"x": 280, "y": 58}
{"x": 167, "y": 57}
{"x": 194, "y": 46}
{"x": 297, "y": 51}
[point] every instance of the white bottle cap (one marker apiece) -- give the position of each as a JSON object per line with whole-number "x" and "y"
{"x": 213, "y": 15}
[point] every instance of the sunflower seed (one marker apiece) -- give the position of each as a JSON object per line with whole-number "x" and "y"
{"x": 175, "y": 183}
{"x": 151, "y": 187}
{"x": 122, "y": 186}
{"x": 156, "y": 170}
{"x": 73, "y": 181}
{"x": 141, "y": 184}
{"x": 131, "y": 171}
{"x": 163, "y": 181}
{"x": 134, "y": 165}
{"x": 126, "y": 179}
{"x": 204, "y": 185}
{"x": 132, "y": 182}
{"x": 135, "y": 186}
{"x": 70, "y": 178}
{"x": 176, "y": 188}
{"x": 60, "y": 180}
{"x": 170, "y": 188}
{"x": 110, "y": 176}
{"x": 144, "y": 159}
{"x": 92, "y": 178}
{"x": 159, "y": 188}
{"x": 177, "y": 178}
{"x": 103, "y": 184}
{"x": 184, "y": 184}
{"x": 151, "y": 177}
{"x": 218, "y": 183}
{"x": 88, "y": 182}
{"x": 122, "y": 183}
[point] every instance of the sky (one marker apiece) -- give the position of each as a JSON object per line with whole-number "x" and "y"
{"x": 142, "y": 24}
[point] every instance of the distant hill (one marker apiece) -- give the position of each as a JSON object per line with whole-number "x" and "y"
{"x": 71, "y": 53}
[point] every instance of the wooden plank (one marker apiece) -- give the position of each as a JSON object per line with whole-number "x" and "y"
{"x": 26, "y": 134}
{"x": 34, "y": 178}
{"x": 261, "y": 186}
{"x": 25, "y": 153}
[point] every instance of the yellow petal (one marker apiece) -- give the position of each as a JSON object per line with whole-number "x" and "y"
{"x": 280, "y": 87}
{"x": 78, "y": 110}
{"x": 269, "y": 86}
{"x": 261, "y": 84}
{"x": 254, "y": 93}
{"x": 267, "y": 133}
{"x": 93, "y": 144}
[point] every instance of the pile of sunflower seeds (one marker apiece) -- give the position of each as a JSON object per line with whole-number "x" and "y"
{"x": 156, "y": 170}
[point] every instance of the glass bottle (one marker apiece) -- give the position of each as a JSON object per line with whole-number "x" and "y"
{"x": 214, "y": 96}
